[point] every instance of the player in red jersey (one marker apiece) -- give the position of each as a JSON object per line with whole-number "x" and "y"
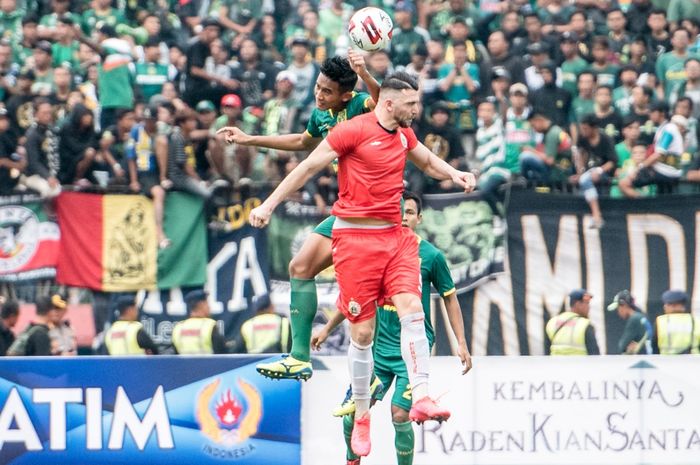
{"x": 374, "y": 257}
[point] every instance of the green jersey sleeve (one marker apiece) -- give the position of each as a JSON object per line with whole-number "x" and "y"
{"x": 440, "y": 275}
{"x": 359, "y": 104}
{"x": 312, "y": 127}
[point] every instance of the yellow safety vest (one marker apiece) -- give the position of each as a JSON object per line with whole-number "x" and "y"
{"x": 121, "y": 338}
{"x": 265, "y": 333}
{"x": 678, "y": 333}
{"x": 193, "y": 336}
{"x": 567, "y": 334}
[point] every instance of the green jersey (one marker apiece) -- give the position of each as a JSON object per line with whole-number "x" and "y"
{"x": 150, "y": 78}
{"x": 670, "y": 70}
{"x": 433, "y": 270}
{"x": 622, "y": 99}
{"x": 582, "y": 107}
{"x": 605, "y": 75}
{"x": 92, "y": 17}
{"x": 322, "y": 121}
{"x": 518, "y": 134}
{"x": 65, "y": 55}
{"x": 570, "y": 70}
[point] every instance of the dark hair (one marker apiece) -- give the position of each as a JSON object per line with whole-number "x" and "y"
{"x": 408, "y": 195}
{"x": 120, "y": 113}
{"x": 9, "y": 308}
{"x": 691, "y": 59}
{"x": 532, "y": 14}
{"x": 610, "y": 89}
{"x": 648, "y": 91}
{"x": 38, "y": 102}
{"x": 684, "y": 99}
{"x": 590, "y": 73}
{"x": 578, "y": 12}
{"x": 600, "y": 41}
{"x": 400, "y": 80}
{"x": 658, "y": 11}
{"x": 338, "y": 69}
{"x": 183, "y": 116}
{"x": 682, "y": 29}
{"x": 615, "y": 10}
{"x": 589, "y": 119}
{"x": 43, "y": 305}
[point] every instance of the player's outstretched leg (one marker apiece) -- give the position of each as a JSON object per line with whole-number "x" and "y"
{"x": 348, "y": 423}
{"x": 376, "y": 389}
{"x": 360, "y": 362}
{"x": 314, "y": 257}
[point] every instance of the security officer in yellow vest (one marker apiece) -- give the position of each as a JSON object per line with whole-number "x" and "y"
{"x": 126, "y": 336}
{"x": 676, "y": 331}
{"x": 570, "y": 332}
{"x": 266, "y": 332}
{"x": 198, "y": 335}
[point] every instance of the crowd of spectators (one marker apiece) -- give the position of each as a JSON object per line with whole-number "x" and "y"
{"x": 556, "y": 94}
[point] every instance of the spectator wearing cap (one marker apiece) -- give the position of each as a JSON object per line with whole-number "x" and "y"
{"x": 459, "y": 31}
{"x": 676, "y": 331}
{"x": 573, "y": 63}
{"x": 13, "y": 161}
{"x": 147, "y": 157}
{"x": 571, "y": 332}
{"x": 101, "y": 13}
{"x": 256, "y": 78}
{"x": 43, "y": 72}
{"x": 150, "y": 74}
{"x": 63, "y": 339}
{"x": 622, "y": 95}
{"x": 443, "y": 139}
{"x": 266, "y": 332}
{"x": 199, "y": 83}
{"x": 517, "y": 132}
{"x": 222, "y": 155}
{"x": 406, "y": 38}
{"x": 490, "y": 154}
{"x": 43, "y": 161}
{"x": 126, "y": 336}
{"x": 662, "y": 167}
{"x": 306, "y": 70}
{"x": 637, "y": 335}
{"x": 595, "y": 164}
{"x": 499, "y": 51}
{"x": 550, "y": 99}
{"x": 549, "y": 161}
{"x": 9, "y": 314}
{"x": 606, "y": 71}
{"x": 38, "y": 342}
{"x": 618, "y": 37}
{"x": 538, "y": 56}
{"x": 198, "y": 334}
{"x": 690, "y": 87}
{"x": 670, "y": 66}
{"x": 499, "y": 84}
{"x": 280, "y": 112}
{"x": 20, "y": 105}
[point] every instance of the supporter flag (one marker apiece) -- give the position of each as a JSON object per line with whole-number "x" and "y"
{"x": 28, "y": 241}
{"x": 109, "y": 242}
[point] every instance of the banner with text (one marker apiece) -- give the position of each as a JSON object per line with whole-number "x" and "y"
{"x": 530, "y": 410}
{"x": 29, "y": 240}
{"x": 146, "y": 411}
{"x": 646, "y": 246}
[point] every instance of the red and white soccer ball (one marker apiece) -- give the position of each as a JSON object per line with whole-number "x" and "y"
{"x": 370, "y": 29}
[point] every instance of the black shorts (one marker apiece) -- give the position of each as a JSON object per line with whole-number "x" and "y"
{"x": 148, "y": 182}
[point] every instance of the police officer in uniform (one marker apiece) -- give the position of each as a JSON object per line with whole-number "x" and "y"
{"x": 198, "y": 334}
{"x": 266, "y": 332}
{"x": 126, "y": 336}
{"x": 570, "y": 332}
{"x": 676, "y": 331}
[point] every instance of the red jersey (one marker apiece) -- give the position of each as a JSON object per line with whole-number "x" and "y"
{"x": 371, "y": 163}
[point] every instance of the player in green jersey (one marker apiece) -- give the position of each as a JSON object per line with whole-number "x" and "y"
{"x": 335, "y": 102}
{"x": 388, "y": 363}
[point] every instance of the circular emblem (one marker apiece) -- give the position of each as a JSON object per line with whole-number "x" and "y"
{"x": 19, "y": 237}
{"x": 354, "y": 307}
{"x": 404, "y": 141}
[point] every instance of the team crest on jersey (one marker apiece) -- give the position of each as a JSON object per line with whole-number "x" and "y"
{"x": 19, "y": 237}
{"x": 354, "y": 307}
{"x": 404, "y": 141}
{"x": 342, "y": 116}
{"x": 227, "y": 420}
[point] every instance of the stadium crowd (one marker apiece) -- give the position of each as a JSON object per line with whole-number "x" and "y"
{"x": 591, "y": 97}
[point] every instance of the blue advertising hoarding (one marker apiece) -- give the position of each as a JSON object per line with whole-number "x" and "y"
{"x": 150, "y": 410}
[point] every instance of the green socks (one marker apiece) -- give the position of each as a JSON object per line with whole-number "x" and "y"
{"x": 404, "y": 442}
{"x": 348, "y": 424}
{"x": 302, "y": 310}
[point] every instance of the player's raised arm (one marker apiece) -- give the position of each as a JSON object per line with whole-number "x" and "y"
{"x": 289, "y": 142}
{"x": 357, "y": 63}
{"x": 315, "y": 162}
{"x": 437, "y": 168}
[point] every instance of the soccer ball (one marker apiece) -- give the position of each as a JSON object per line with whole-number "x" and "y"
{"x": 370, "y": 29}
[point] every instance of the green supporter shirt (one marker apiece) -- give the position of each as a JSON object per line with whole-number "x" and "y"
{"x": 433, "y": 270}
{"x": 65, "y": 54}
{"x": 670, "y": 70}
{"x": 622, "y": 99}
{"x": 115, "y": 86}
{"x": 90, "y": 18}
{"x": 605, "y": 76}
{"x": 150, "y": 78}
{"x": 51, "y": 20}
{"x": 581, "y": 106}
{"x": 322, "y": 121}
{"x": 518, "y": 134}
{"x": 570, "y": 70}
{"x": 679, "y": 10}
{"x": 557, "y": 146}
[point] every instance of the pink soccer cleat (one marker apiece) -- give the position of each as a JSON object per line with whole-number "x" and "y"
{"x": 360, "y": 441}
{"x": 353, "y": 462}
{"x": 426, "y": 409}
